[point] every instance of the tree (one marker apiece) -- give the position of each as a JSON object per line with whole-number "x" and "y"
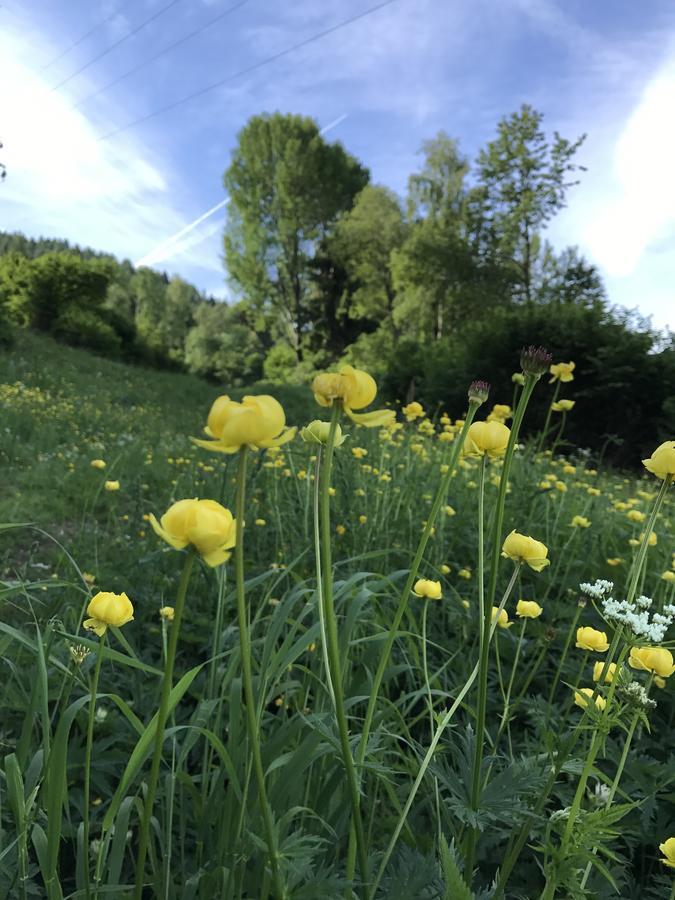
{"x": 522, "y": 183}
{"x": 569, "y": 278}
{"x": 181, "y": 300}
{"x": 287, "y": 186}
{"x": 149, "y": 290}
{"x": 222, "y": 346}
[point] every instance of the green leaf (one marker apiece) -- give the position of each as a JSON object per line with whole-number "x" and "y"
{"x": 455, "y": 887}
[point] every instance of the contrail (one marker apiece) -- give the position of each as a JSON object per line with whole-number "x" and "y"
{"x": 333, "y": 123}
{"x": 149, "y": 258}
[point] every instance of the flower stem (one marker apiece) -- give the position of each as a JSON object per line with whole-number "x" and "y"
{"x": 87, "y": 761}
{"x": 333, "y": 649}
{"x": 247, "y": 679}
{"x": 544, "y": 432}
{"x": 162, "y": 715}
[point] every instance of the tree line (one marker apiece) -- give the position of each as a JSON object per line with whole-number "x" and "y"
{"x": 425, "y": 290}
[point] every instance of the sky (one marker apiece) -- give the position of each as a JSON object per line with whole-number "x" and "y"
{"x": 100, "y": 148}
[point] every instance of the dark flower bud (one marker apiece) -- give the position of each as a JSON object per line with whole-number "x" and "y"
{"x": 478, "y": 391}
{"x": 535, "y": 360}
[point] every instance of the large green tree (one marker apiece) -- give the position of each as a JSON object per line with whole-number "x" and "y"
{"x": 287, "y": 186}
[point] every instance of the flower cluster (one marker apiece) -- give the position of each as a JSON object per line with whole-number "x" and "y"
{"x": 635, "y": 694}
{"x": 651, "y": 627}
{"x": 598, "y": 590}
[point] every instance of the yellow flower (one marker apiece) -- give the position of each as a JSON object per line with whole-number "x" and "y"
{"x": 500, "y": 413}
{"x": 580, "y": 522}
{"x": 614, "y": 561}
{"x": 524, "y": 549}
{"x": 260, "y": 522}
{"x": 662, "y": 460}
{"x": 591, "y": 639}
{"x": 340, "y": 529}
{"x": 413, "y": 411}
{"x": 257, "y": 422}
{"x": 659, "y": 682}
{"x": 668, "y": 850}
{"x": 502, "y": 619}
{"x": 652, "y": 540}
{"x": 445, "y": 569}
{"x": 317, "y": 433}
{"x": 668, "y": 576}
{"x": 359, "y": 452}
{"x": 465, "y": 573}
{"x": 583, "y": 696}
{"x": 427, "y": 588}
{"x": 560, "y": 486}
{"x": 635, "y": 515}
{"x": 652, "y": 659}
{"x": 354, "y": 389}
{"x": 166, "y": 612}
{"x": 112, "y": 485}
{"x": 593, "y": 492}
{"x": 563, "y": 405}
{"x": 107, "y": 609}
{"x": 609, "y": 674}
{"x": 488, "y": 438}
{"x": 88, "y": 577}
{"x": 528, "y": 609}
{"x": 562, "y": 371}
{"x": 569, "y": 470}
{"x": 203, "y": 524}
{"x": 449, "y": 511}
{"x": 363, "y": 520}
{"x": 97, "y": 463}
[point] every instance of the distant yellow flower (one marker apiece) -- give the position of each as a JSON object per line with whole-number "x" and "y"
{"x": 166, "y": 612}
{"x": 340, "y": 529}
{"x": 668, "y": 576}
{"x": 582, "y": 698}
{"x": 635, "y": 515}
{"x": 580, "y": 522}
{"x": 652, "y": 659}
{"x": 502, "y": 618}
{"x": 449, "y": 511}
{"x": 98, "y": 463}
{"x": 424, "y": 587}
{"x": 562, "y": 371}
{"x": 500, "y": 413}
{"x": 659, "y": 682}
{"x": 487, "y": 438}
{"x": 359, "y": 452}
{"x": 413, "y": 411}
{"x": 609, "y": 674}
{"x": 363, "y": 520}
{"x": 354, "y": 389}
{"x": 668, "y": 850}
{"x": 260, "y": 522}
{"x": 614, "y": 561}
{"x": 528, "y": 609}
{"x": 562, "y": 405}
{"x": 257, "y": 422}
{"x": 204, "y": 524}
{"x": 112, "y": 485}
{"x": 317, "y": 433}
{"x": 524, "y": 549}
{"x": 465, "y": 573}
{"x": 569, "y": 470}
{"x": 593, "y": 492}
{"x": 591, "y": 639}
{"x": 106, "y": 609}
{"x": 560, "y": 486}
{"x": 652, "y": 540}
{"x": 662, "y": 461}
{"x": 88, "y": 577}
{"x": 445, "y": 569}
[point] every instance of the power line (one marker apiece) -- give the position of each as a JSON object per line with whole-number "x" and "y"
{"x": 152, "y": 59}
{"x": 248, "y": 69}
{"x": 87, "y": 34}
{"x": 117, "y": 43}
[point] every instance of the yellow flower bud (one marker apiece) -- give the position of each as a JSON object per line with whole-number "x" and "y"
{"x": 98, "y": 464}
{"x": 204, "y": 524}
{"x": 107, "y": 609}
{"x": 591, "y": 639}
{"x": 166, "y": 612}
{"x": 652, "y": 659}
{"x": 582, "y": 698}
{"x": 580, "y": 522}
{"x": 524, "y": 549}
{"x": 502, "y": 618}
{"x": 488, "y": 438}
{"x": 424, "y": 587}
{"x": 317, "y": 433}
{"x": 112, "y": 485}
{"x": 609, "y": 674}
{"x": 528, "y": 609}
{"x": 257, "y": 422}
{"x": 662, "y": 461}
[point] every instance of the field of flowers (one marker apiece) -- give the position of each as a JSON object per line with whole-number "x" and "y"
{"x": 345, "y": 651}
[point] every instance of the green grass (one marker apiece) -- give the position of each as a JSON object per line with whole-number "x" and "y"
{"x": 61, "y": 408}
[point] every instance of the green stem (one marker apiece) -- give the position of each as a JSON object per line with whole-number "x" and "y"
{"x": 252, "y": 723}
{"x": 530, "y": 381}
{"x": 87, "y": 760}
{"x": 442, "y": 725}
{"x": 319, "y": 578}
{"x": 561, "y": 662}
{"x": 430, "y": 701}
{"x": 556, "y": 441}
{"x": 162, "y": 715}
{"x": 483, "y": 618}
{"x": 544, "y": 432}
{"x": 333, "y": 647}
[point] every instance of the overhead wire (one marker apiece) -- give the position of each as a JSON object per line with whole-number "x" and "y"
{"x": 151, "y": 59}
{"x": 117, "y": 43}
{"x": 248, "y": 69}
{"x": 87, "y": 34}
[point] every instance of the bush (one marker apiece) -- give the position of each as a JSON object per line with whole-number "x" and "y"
{"x": 82, "y": 328}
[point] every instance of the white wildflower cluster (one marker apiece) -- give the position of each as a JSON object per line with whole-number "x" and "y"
{"x": 650, "y": 627}
{"x": 598, "y": 590}
{"x": 635, "y": 693}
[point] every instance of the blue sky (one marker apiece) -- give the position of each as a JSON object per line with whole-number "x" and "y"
{"x": 380, "y": 86}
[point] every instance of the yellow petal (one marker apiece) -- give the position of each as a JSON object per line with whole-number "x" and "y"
{"x": 375, "y": 419}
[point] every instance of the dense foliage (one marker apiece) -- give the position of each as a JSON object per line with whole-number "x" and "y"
{"x": 92, "y": 447}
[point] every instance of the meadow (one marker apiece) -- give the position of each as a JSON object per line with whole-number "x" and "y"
{"x": 349, "y": 679}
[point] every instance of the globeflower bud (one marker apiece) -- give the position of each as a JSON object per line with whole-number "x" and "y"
{"x": 652, "y": 659}
{"x": 317, "y": 433}
{"x": 582, "y": 698}
{"x": 204, "y": 524}
{"x": 662, "y": 461}
{"x": 535, "y": 360}
{"x": 478, "y": 392}
{"x": 107, "y": 609}
{"x": 591, "y": 639}
{"x": 431, "y": 590}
